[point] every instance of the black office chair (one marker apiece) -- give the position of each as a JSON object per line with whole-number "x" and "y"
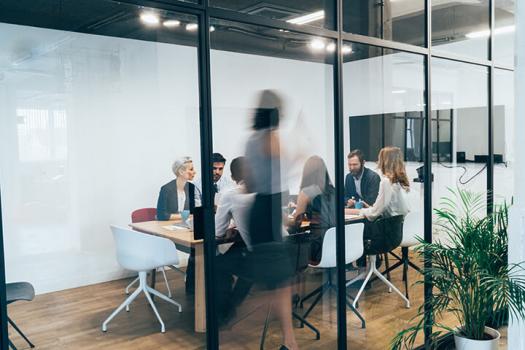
{"x": 15, "y": 292}
{"x": 381, "y": 236}
{"x": 412, "y": 232}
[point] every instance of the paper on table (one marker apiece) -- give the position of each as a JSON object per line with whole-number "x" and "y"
{"x": 174, "y": 227}
{"x": 352, "y": 216}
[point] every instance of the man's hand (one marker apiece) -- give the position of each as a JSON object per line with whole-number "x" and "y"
{"x": 350, "y": 203}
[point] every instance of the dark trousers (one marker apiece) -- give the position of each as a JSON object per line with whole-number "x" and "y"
{"x": 232, "y": 263}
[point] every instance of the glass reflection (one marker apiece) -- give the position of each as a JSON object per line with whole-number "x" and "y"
{"x": 281, "y": 113}
{"x": 461, "y": 27}
{"x": 384, "y": 140}
{"x": 504, "y": 136}
{"x": 504, "y": 35}
{"x": 90, "y": 125}
{"x": 315, "y": 13}
{"x": 402, "y": 21}
{"x": 459, "y": 105}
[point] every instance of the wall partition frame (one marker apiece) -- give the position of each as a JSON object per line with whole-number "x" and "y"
{"x": 333, "y": 28}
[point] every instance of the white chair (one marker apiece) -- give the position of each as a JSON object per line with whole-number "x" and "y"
{"x": 141, "y": 252}
{"x": 182, "y": 264}
{"x": 393, "y": 224}
{"x": 353, "y": 251}
{"x": 412, "y": 231}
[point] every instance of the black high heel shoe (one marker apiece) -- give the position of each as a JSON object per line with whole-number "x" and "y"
{"x": 283, "y": 347}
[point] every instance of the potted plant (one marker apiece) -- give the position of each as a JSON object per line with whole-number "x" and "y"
{"x": 470, "y": 275}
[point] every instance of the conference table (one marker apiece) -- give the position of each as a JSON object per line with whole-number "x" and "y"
{"x": 184, "y": 237}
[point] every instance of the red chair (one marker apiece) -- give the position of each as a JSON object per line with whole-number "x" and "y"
{"x": 141, "y": 215}
{"x": 144, "y": 214}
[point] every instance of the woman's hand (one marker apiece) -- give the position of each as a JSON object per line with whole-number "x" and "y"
{"x": 365, "y": 204}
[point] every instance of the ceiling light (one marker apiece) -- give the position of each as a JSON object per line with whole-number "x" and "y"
{"x": 486, "y": 33}
{"x": 171, "y": 23}
{"x": 346, "y": 49}
{"x": 330, "y": 47}
{"x": 317, "y": 44}
{"x": 399, "y": 91}
{"x": 149, "y": 18}
{"x": 311, "y": 17}
{"x": 212, "y": 28}
{"x": 191, "y": 27}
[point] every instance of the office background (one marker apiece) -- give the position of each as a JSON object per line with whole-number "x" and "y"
{"x": 93, "y": 112}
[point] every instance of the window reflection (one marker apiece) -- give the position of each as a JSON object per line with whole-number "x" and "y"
{"x": 315, "y": 13}
{"x": 384, "y": 114}
{"x": 461, "y": 27}
{"x": 402, "y": 21}
{"x": 42, "y": 135}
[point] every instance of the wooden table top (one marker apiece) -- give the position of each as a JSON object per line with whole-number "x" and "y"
{"x": 169, "y": 230}
{"x": 184, "y": 236}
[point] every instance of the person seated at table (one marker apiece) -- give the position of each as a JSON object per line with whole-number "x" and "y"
{"x": 361, "y": 183}
{"x": 235, "y": 205}
{"x": 316, "y": 199}
{"x": 176, "y": 196}
{"x": 392, "y": 199}
{"x": 221, "y": 183}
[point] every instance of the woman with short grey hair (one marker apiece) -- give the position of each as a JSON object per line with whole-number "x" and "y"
{"x": 178, "y": 194}
{"x": 174, "y": 197}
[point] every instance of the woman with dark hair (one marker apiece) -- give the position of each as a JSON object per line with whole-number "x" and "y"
{"x": 316, "y": 199}
{"x": 270, "y": 260}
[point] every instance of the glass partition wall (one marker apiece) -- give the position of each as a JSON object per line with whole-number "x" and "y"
{"x": 104, "y": 103}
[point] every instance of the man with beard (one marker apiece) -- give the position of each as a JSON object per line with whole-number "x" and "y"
{"x": 361, "y": 184}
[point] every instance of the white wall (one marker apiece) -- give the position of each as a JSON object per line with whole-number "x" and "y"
{"x": 122, "y": 129}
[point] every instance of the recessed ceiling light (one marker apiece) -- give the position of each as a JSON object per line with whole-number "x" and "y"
{"x": 401, "y": 91}
{"x": 170, "y": 23}
{"x": 212, "y": 28}
{"x": 150, "y": 18}
{"x": 317, "y": 44}
{"x": 331, "y": 47}
{"x": 346, "y": 49}
{"x": 192, "y": 27}
{"x": 311, "y": 17}
{"x": 486, "y": 33}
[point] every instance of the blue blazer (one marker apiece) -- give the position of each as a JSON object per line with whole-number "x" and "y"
{"x": 369, "y": 187}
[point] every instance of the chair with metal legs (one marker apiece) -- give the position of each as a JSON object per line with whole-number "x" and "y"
{"x": 412, "y": 231}
{"x": 384, "y": 235}
{"x": 150, "y": 214}
{"x": 141, "y": 252}
{"x": 353, "y": 251}
{"x": 14, "y": 292}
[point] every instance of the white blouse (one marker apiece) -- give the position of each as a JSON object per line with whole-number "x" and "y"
{"x": 181, "y": 200}
{"x": 392, "y": 200}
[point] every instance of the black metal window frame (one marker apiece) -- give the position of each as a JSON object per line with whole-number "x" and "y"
{"x": 205, "y": 12}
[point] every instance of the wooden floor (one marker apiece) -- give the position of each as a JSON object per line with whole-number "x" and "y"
{"x": 71, "y": 319}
